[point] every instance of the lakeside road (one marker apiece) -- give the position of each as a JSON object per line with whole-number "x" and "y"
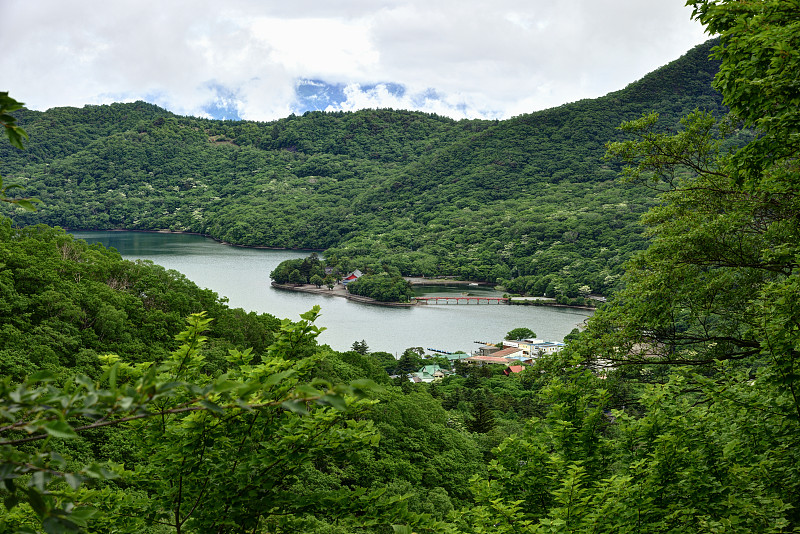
{"x": 340, "y": 291}
{"x": 419, "y": 281}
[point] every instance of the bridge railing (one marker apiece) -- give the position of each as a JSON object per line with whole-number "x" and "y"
{"x": 461, "y": 300}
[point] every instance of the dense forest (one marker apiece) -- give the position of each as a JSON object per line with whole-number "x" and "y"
{"x": 529, "y": 201}
{"x": 132, "y": 401}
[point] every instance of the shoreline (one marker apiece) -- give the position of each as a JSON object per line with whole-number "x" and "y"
{"x": 339, "y": 291}
{"x": 167, "y": 231}
{"x": 545, "y": 301}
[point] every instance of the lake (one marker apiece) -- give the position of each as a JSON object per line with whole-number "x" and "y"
{"x": 242, "y": 275}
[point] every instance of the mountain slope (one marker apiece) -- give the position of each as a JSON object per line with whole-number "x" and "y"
{"x": 527, "y": 197}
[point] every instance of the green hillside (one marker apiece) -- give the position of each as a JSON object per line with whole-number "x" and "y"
{"x": 528, "y": 201}
{"x": 677, "y": 410}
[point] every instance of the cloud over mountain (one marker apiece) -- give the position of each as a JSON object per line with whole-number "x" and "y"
{"x": 256, "y": 60}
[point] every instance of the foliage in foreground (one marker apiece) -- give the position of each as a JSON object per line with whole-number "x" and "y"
{"x": 193, "y": 452}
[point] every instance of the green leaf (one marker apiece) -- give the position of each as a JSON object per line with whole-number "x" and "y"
{"x": 41, "y": 376}
{"x": 58, "y": 460}
{"x": 82, "y": 514}
{"x": 363, "y": 386}
{"x": 36, "y": 501}
{"x": 39, "y": 479}
{"x": 99, "y": 472}
{"x": 59, "y": 525}
{"x": 15, "y": 135}
{"x": 312, "y": 314}
{"x": 277, "y": 377}
{"x": 212, "y": 406}
{"x": 112, "y": 376}
{"x": 7, "y": 478}
{"x": 84, "y": 381}
{"x": 336, "y": 401}
{"x": 222, "y": 385}
{"x": 296, "y": 406}
{"x": 26, "y": 203}
{"x": 11, "y": 501}
{"x": 59, "y": 429}
{"x": 73, "y": 480}
{"x": 308, "y": 391}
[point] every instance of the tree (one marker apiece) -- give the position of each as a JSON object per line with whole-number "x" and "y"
{"x": 757, "y": 78}
{"x": 296, "y": 278}
{"x": 316, "y": 280}
{"x": 383, "y": 287}
{"x": 481, "y": 418}
{"x": 719, "y": 287}
{"x": 192, "y": 464}
{"x": 360, "y": 347}
{"x": 409, "y": 362}
{"x": 573, "y": 336}
{"x": 386, "y": 360}
{"x": 521, "y": 333}
{"x": 699, "y": 353}
{"x": 329, "y": 282}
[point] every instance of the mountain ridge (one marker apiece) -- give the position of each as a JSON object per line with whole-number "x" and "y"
{"x": 528, "y": 199}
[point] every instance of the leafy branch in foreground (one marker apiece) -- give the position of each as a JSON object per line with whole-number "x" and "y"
{"x": 663, "y": 158}
{"x": 15, "y": 135}
{"x": 176, "y": 412}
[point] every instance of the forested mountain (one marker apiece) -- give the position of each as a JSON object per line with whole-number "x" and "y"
{"x": 79, "y": 302}
{"x": 528, "y": 199}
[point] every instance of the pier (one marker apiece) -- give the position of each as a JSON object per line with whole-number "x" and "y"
{"x": 461, "y": 300}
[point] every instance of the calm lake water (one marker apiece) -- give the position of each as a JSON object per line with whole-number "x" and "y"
{"x": 242, "y": 275}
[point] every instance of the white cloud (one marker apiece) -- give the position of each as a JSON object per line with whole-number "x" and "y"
{"x": 456, "y": 105}
{"x": 483, "y": 59}
{"x": 317, "y": 47}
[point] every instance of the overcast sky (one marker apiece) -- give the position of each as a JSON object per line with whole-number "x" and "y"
{"x": 465, "y": 58}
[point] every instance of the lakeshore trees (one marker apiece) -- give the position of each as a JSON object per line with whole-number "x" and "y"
{"x": 381, "y": 283}
{"x": 520, "y": 333}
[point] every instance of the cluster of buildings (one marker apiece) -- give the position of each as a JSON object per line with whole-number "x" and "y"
{"x": 514, "y": 354}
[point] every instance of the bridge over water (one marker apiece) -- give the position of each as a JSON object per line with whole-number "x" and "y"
{"x": 461, "y": 300}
